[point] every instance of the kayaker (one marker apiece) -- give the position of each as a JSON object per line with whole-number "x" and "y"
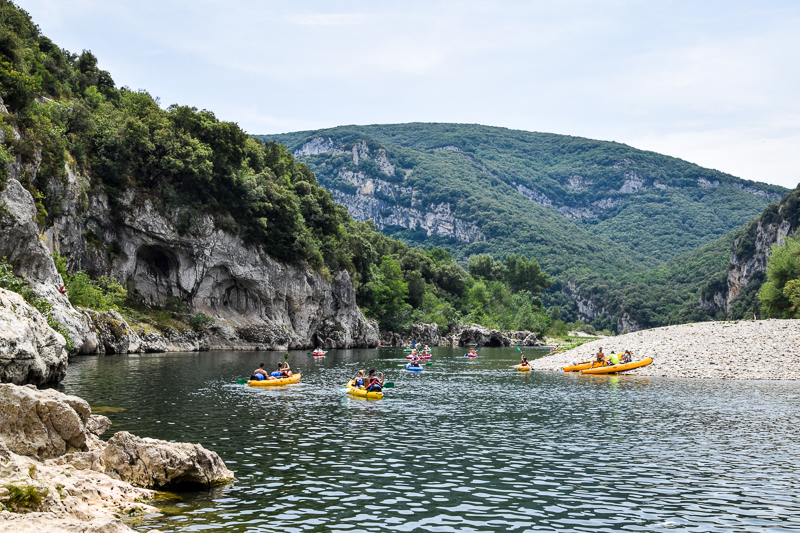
{"x": 472, "y": 351}
{"x": 627, "y": 356}
{"x": 359, "y": 381}
{"x": 613, "y": 359}
{"x": 373, "y": 383}
{"x": 259, "y": 373}
{"x": 524, "y": 361}
{"x": 286, "y": 370}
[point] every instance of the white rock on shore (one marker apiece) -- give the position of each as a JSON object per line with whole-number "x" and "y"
{"x": 746, "y": 350}
{"x": 49, "y": 446}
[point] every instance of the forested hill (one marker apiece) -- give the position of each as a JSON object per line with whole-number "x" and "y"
{"x": 577, "y": 205}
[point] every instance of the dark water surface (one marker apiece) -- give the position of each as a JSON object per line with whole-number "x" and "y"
{"x": 468, "y": 445}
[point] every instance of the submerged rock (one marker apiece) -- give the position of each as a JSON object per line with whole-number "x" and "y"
{"x": 30, "y": 350}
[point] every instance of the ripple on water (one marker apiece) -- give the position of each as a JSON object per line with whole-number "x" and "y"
{"x": 466, "y": 446}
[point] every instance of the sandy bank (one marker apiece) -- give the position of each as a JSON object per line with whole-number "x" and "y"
{"x": 764, "y": 349}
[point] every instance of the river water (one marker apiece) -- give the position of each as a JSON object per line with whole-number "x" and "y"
{"x": 468, "y": 445}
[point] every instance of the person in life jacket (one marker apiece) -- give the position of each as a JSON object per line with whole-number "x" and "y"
{"x": 524, "y": 361}
{"x": 360, "y": 379}
{"x": 415, "y": 361}
{"x": 373, "y": 383}
{"x": 259, "y": 373}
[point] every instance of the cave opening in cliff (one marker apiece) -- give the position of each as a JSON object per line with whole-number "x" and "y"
{"x": 158, "y": 261}
{"x": 494, "y": 343}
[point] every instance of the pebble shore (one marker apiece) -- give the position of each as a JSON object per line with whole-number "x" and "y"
{"x": 762, "y": 349}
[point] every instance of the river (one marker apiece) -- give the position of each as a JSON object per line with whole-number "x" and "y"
{"x": 469, "y": 445}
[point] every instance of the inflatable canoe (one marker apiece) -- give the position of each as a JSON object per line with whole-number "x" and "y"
{"x": 526, "y": 368}
{"x": 579, "y": 366}
{"x": 415, "y": 368}
{"x": 274, "y": 382}
{"x": 470, "y": 355}
{"x": 317, "y": 354}
{"x": 362, "y": 393}
{"x": 618, "y": 368}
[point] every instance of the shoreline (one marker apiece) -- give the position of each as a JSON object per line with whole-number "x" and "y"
{"x": 740, "y": 350}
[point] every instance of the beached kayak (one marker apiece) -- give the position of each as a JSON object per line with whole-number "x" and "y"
{"x": 579, "y": 366}
{"x": 414, "y": 368}
{"x": 274, "y": 382}
{"x": 362, "y": 393}
{"x": 526, "y": 368}
{"x": 618, "y": 368}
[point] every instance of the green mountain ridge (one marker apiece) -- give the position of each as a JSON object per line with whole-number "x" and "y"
{"x": 601, "y": 217}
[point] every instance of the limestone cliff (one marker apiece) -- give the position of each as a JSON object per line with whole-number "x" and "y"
{"x": 749, "y": 255}
{"x": 255, "y": 300}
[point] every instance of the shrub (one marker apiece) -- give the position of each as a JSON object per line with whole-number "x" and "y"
{"x": 201, "y": 321}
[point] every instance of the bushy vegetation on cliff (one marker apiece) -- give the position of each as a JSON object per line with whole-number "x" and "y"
{"x": 72, "y": 117}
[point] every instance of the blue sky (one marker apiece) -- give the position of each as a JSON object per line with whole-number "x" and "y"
{"x": 712, "y": 82}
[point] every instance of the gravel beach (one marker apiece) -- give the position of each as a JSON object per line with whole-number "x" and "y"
{"x": 762, "y": 349}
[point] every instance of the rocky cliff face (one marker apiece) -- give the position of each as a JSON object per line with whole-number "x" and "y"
{"x": 255, "y": 300}
{"x": 750, "y": 252}
{"x": 589, "y": 310}
{"x": 377, "y": 198}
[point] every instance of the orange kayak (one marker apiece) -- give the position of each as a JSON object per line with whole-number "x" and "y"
{"x": 579, "y": 366}
{"x": 610, "y": 369}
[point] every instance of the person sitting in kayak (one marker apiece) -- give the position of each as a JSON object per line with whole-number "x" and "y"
{"x": 259, "y": 373}
{"x": 600, "y": 357}
{"x": 472, "y": 351}
{"x": 613, "y": 359}
{"x": 318, "y": 351}
{"x": 286, "y": 371}
{"x": 359, "y": 381}
{"x": 627, "y": 357}
{"x": 524, "y": 361}
{"x": 415, "y": 361}
{"x": 373, "y": 383}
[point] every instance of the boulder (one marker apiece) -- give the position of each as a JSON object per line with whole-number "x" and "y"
{"x": 426, "y": 334}
{"x": 46, "y": 423}
{"x": 110, "y": 334}
{"x": 477, "y": 334}
{"x": 30, "y": 350}
{"x": 524, "y": 338}
{"x": 153, "y": 463}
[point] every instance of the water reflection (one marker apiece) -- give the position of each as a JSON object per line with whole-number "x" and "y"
{"x": 468, "y": 445}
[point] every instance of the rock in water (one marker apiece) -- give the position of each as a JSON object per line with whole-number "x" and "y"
{"x": 46, "y": 423}
{"x": 153, "y": 463}
{"x": 30, "y": 350}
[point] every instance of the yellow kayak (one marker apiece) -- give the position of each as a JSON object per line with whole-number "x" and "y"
{"x": 274, "y": 382}
{"x": 362, "y": 393}
{"x": 579, "y": 366}
{"x": 610, "y": 369}
{"x": 526, "y": 368}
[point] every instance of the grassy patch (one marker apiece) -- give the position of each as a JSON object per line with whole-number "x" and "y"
{"x": 26, "y": 496}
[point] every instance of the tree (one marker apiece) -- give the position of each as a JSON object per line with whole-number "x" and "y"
{"x": 780, "y": 295}
{"x": 484, "y": 266}
{"x": 524, "y": 274}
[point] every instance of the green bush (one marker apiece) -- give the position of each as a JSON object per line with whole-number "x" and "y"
{"x": 780, "y": 294}
{"x": 201, "y": 321}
